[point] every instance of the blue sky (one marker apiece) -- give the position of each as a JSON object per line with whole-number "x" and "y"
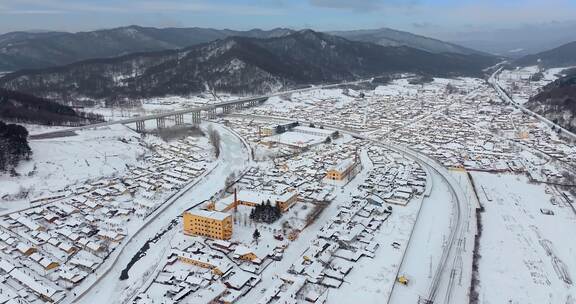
{"x": 420, "y": 16}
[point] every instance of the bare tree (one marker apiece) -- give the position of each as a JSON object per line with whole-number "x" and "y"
{"x": 214, "y": 138}
{"x": 231, "y": 179}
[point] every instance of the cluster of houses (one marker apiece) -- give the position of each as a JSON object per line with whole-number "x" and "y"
{"x": 196, "y": 273}
{"x": 458, "y": 145}
{"x": 460, "y": 122}
{"x": 227, "y": 267}
{"x": 540, "y": 144}
{"x": 50, "y": 248}
{"x": 484, "y": 133}
{"x": 331, "y": 256}
{"x": 393, "y": 179}
{"x": 224, "y": 255}
{"x": 349, "y": 237}
{"x": 382, "y": 109}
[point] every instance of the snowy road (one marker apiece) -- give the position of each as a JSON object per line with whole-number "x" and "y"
{"x": 493, "y": 80}
{"x": 234, "y": 157}
{"x": 450, "y": 266}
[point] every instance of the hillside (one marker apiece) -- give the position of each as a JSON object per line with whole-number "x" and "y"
{"x": 562, "y": 56}
{"x": 557, "y": 102}
{"x": 238, "y": 65}
{"x": 390, "y": 37}
{"x": 22, "y": 50}
{"x": 21, "y": 107}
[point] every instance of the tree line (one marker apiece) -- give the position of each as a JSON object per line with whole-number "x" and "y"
{"x": 24, "y": 108}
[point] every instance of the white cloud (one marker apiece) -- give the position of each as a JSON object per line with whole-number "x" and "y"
{"x": 31, "y": 12}
{"x": 134, "y": 6}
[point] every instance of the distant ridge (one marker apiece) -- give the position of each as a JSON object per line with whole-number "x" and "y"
{"x": 238, "y": 65}
{"x": 561, "y": 56}
{"x": 31, "y": 50}
{"x": 391, "y": 37}
{"x": 25, "y": 50}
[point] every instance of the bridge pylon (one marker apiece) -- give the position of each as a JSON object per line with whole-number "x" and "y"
{"x": 160, "y": 122}
{"x": 179, "y": 119}
{"x": 140, "y": 126}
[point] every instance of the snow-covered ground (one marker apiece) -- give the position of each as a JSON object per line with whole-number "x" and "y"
{"x": 371, "y": 280}
{"x": 60, "y": 162}
{"x": 526, "y": 250}
{"x": 526, "y": 255}
{"x": 520, "y": 84}
{"x": 428, "y": 238}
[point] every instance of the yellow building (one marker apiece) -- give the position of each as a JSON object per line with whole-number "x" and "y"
{"x": 203, "y": 261}
{"x": 523, "y": 134}
{"x": 212, "y": 224}
{"x": 267, "y": 131}
{"x": 342, "y": 170}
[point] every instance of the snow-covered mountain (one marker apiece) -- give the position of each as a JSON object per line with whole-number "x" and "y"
{"x": 562, "y": 56}
{"x": 390, "y": 37}
{"x": 23, "y": 50}
{"x": 238, "y": 65}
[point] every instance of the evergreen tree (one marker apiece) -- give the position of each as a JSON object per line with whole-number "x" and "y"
{"x": 256, "y": 235}
{"x": 13, "y": 146}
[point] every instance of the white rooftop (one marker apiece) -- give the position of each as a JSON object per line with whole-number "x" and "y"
{"x": 216, "y": 215}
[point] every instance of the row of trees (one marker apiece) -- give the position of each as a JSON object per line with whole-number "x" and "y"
{"x": 13, "y": 146}
{"x": 283, "y": 128}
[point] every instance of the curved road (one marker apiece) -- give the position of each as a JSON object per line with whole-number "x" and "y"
{"x": 107, "y": 288}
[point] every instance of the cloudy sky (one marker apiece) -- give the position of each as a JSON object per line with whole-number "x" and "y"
{"x": 421, "y": 16}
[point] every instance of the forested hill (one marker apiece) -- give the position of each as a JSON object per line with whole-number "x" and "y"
{"x": 562, "y": 56}
{"x": 557, "y": 102}
{"x": 24, "y": 108}
{"x": 238, "y": 65}
{"x": 22, "y": 50}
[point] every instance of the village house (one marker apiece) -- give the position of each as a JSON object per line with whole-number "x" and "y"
{"x": 342, "y": 171}
{"x": 218, "y": 267}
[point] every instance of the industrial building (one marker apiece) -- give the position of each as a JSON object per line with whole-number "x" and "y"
{"x": 212, "y": 224}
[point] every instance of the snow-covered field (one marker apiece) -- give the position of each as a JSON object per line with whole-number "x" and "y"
{"x": 60, "y": 162}
{"x": 526, "y": 256}
{"x": 521, "y": 86}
